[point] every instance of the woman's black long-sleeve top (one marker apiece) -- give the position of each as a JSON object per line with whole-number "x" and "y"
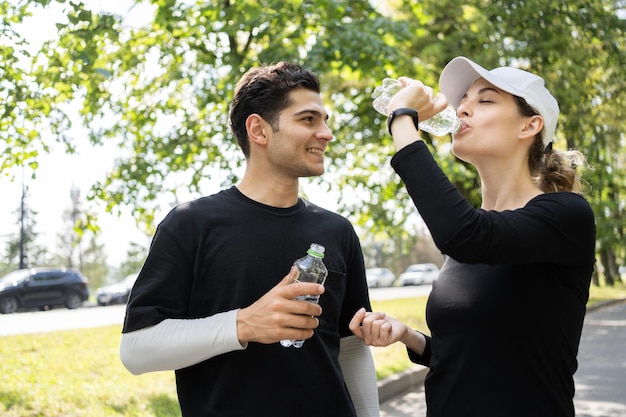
{"x": 506, "y": 312}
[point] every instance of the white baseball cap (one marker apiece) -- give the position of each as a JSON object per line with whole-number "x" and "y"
{"x": 460, "y": 73}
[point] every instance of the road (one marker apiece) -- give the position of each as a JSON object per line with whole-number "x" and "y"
{"x": 93, "y": 316}
{"x": 392, "y": 293}
{"x": 60, "y": 319}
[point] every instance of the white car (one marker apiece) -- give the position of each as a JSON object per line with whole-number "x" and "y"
{"x": 379, "y": 277}
{"x": 117, "y": 293}
{"x": 419, "y": 274}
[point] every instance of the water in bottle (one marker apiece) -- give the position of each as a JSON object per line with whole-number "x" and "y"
{"x": 311, "y": 268}
{"x": 440, "y": 124}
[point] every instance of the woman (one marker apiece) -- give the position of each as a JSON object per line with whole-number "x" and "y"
{"x": 506, "y": 313}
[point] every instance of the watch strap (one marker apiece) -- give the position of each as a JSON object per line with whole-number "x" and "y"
{"x": 402, "y": 111}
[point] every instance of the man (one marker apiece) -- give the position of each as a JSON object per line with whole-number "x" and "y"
{"x": 210, "y": 303}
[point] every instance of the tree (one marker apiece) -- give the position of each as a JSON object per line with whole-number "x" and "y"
{"x": 70, "y": 239}
{"x": 78, "y": 246}
{"x": 164, "y": 89}
{"x": 94, "y": 265}
{"x": 397, "y": 253}
{"x": 578, "y": 47}
{"x": 161, "y": 91}
{"x": 26, "y": 109}
{"x": 24, "y": 241}
{"x": 135, "y": 258}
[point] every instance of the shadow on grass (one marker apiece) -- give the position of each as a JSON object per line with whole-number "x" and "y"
{"x": 12, "y": 399}
{"x": 161, "y": 405}
{"x": 164, "y": 405}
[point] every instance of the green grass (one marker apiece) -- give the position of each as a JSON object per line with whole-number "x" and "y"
{"x": 78, "y": 372}
{"x": 601, "y": 294}
{"x": 412, "y": 311}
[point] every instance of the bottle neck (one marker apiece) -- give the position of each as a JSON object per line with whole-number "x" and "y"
{"x": 316, "y": 250}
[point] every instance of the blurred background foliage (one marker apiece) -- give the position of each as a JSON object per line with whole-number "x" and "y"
{"x": 161, "y": 90}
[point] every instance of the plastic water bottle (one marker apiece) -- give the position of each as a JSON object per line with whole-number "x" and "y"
{"x": 440, "y": 124}
{"x": 311, "y": 268}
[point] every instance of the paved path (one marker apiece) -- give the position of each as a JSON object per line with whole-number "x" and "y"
{"x": 600, "y": 379}
{"x": 601, "y": 376}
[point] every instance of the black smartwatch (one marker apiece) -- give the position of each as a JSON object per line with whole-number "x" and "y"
{"x": 402, "y": 111}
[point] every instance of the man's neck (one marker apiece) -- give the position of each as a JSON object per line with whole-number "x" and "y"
{"x": 281, "y": 194}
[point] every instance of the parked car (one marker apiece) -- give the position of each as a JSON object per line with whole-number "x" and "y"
{"x": 117, "y": 293}
{"x": 379, "y": 277}
{"x": 42, "y": 288}
{"x": 419, "y": 274}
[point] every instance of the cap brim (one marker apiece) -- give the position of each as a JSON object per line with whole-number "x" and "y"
{"x": 459, "y": 75}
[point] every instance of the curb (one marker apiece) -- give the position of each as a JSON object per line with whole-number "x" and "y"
{"x": 401, "y": 382}
{"x": 602, "y": 304}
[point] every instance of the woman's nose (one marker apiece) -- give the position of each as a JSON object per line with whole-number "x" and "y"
{"x": 463, "y": 109}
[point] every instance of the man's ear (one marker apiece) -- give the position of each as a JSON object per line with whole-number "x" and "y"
{"x": 532, "y": 127}
{"x": 257, "y": 127}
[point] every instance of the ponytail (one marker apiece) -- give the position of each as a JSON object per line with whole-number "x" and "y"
{"x": 553, "y": 170}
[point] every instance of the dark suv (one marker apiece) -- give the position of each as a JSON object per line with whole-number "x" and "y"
{"x": 42, "y": 287}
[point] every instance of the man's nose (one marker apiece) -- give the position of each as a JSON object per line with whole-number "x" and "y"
{"x": 325, "y": 133}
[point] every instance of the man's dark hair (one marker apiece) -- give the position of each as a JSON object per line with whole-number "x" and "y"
{"x": 264, "y": 90}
